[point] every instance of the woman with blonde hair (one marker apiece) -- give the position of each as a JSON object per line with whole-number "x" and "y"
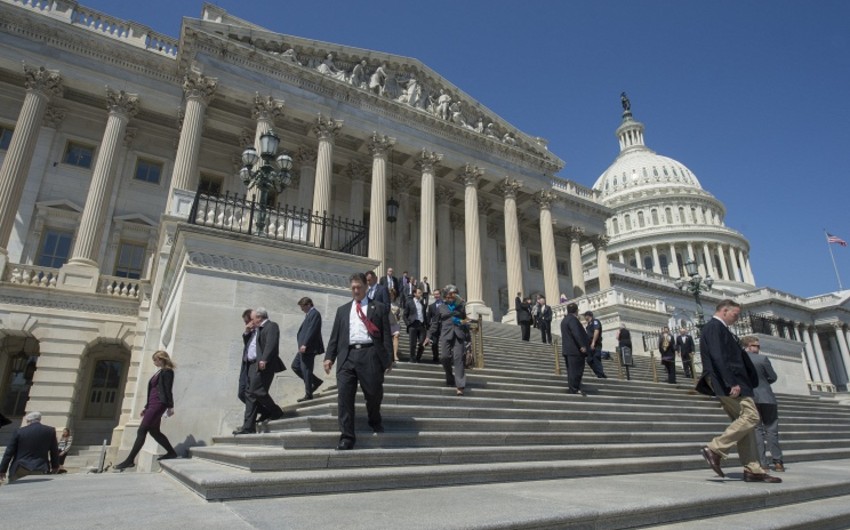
{"x": 160, "y": 404}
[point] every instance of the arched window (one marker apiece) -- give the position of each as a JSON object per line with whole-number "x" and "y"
{"x": 641, "y": 220}
{"x": 632, "y": 263}
{"x": 682, "y": 214}
{"x": 615, "y": 226}
{"x": 628, "y": 220}
{"x": 662, "y": 259}
{"x": 104, "y": 392}
{"x": 668, "y": 215}
{"x": 654, "y": 216}
{"x": 647, "y": 263}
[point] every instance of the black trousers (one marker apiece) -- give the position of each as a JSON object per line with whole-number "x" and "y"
{"x": 242, "y": 392}
{"x": 545, "y": 331}
{"x": 526, "y": 330}
{"x": 686, "y": 364}
{"x": 361, "y": 366}
{"x": 302, "y": 366}
{"x": 594, "y": 360}
{"x": 670, "y": 366}
{"x": 417, "y": 336}
{"x": 257, "y": 396}
{"x": 575, "y": 372}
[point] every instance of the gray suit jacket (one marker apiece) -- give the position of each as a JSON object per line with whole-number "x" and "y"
{"x": 763, "y": 393}
{"x": 442, "y": 326}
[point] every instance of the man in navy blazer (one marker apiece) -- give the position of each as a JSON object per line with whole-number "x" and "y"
{"x": 263, "y": 357}
{"x": 731, "y": 376}
{"x": 32, "y": 450}
{"x": 310, "y": 344}
{"x": 575, "y": 346}
{"x": 376, "y": 291}
{"x": 361, "y": 346}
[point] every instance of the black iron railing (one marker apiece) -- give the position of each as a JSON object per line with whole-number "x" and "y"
{"x": 239, "y": 214}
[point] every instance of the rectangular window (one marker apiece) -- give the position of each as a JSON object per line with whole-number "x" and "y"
{"x": 210, "y": 185}
{"x": 501, "y": 253}
{"x": 148, "y": 171}
{"x": 55, "y": 248}
{"x": 535, "y": 261}
{"x": 563, "y": 268}
{"x": 5, "y": 137}
{"x": 130, "y": 262}
{"x": 78, "y": 155}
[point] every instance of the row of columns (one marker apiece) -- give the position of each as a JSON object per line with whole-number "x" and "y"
{"x": 703, "y": 255}
{"x": 814, "y": 355}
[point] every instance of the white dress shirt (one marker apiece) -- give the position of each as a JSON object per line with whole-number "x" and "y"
{"x": 357, "y": 333}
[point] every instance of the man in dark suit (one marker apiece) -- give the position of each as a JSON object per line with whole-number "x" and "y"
{"x": 432, "y": 314}
{"x": 390, "y": 281}
{"x": 417, "y": 323}
{"x": 375, "y": 291}
{"x": 523, "y": 315}
{"x": 425, "y": 285}
{"x": 544, "y": 319}
{"x": 310, "y": 344}
{"x": 263, "y": 358}
{"x": 729, "y": 374}
{"x": 767, "y": 431}
{"x": 685, "y": 346}
{"x": 32, "y": 450}
{"x": 594, "y": 353}
{"x": 362, "y": 348}
{"x": 574, "y": 348}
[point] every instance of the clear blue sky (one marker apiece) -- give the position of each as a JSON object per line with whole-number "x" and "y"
{"x": 752, "y": 96}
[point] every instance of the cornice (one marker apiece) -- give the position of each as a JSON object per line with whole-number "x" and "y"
{"x": 22, "y": 299}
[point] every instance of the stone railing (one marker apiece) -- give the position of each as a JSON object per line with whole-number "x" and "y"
{"x": 129, "y": 32}
{"x": 572, "y": 188}
{"x": 32, "y": 275}
{"x": 611, "y": 297}
{"x": 767, "y": 293}
{"x": 120, "y": 287}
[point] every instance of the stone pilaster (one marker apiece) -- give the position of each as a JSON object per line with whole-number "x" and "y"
{"x": 824, "y": 371}
{"x": 445, "y": 269}
{"x": 810, "y": 353}
{"x": 576, "y": 269}
{"x": 357, "y": 173}
{"x": 198, "y": 90}
{"x": 842, "y": 347}
{"x": 427, "y": 162}
{"x": 509, "y": 188}
{"x": 709, "y": 266}
{"x": 750, "y": 270}
{"x": 656, "y": 262}
{"x": 743, "y": 263}
{"x": 724, "y": 270}
{"x": 81, "y": 271}
{"x": 600, "y": 243}
{"x": 305, "y": 157}
{"x": 379, "y": 146}
{"x": 325, "y": 130}
{"x": 41, "y": 85}
{"x": 734, "y": 263}
{"x": 544, "y": 200}
{"x": 474, "y": 285}
{"x": 674, "y": 267}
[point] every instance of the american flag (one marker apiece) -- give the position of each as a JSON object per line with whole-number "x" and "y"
{"x": 835, "y": 239}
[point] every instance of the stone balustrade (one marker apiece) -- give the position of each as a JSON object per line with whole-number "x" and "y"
{"x": 32, "y": 275}
{"x": 573, "y": 188}
{"x": 120, "y": 287}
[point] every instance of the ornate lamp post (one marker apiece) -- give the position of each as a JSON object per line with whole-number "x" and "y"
{"x": 696, "y": 284}
{"x": 272, "y": 174}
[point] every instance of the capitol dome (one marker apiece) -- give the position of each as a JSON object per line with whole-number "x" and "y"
{"x": 662, "y": 217}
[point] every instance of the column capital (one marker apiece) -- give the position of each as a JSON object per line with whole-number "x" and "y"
{"x": 379, "y": 144}
{"x": 199, "y": 87}
{"x": 544, "y": 199}
{"x": 326, "y": 128}
{"x": 836, "y": 325}
{"x": 509, "y": 187}
{"x": 403, "y": 182}
{"x": 120, "y": 102}
{"x": 470, "y": 175}
{"x": 427, "y": 160}
{"x": 306, "y": 156}
{"x": 356, "y": 171}
{"x": 484, "y": 205}
{"x": 600, "y": 241}
{"x": 266, "y": 108}
{"x": 444, "y": 194}
{"x": 44, "y": 81}
{"x": 575, "y": 233}
{"x": 247, "y": 136}
{"x": 53, "y": 116}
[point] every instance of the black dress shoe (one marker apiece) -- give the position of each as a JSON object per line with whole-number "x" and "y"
{"x": 713, "y": 460}
{"x": 760, "y": 477}
{"x": 379, "y": 428}
{"x": 167, "y": 456}
{"x": 237, "y": 432}
{"x": 345, "y": 445}
{"x": 124, "y": 465}
{"x": 303, "y": 399}
{"x": 276, "y": 416}
{"x": 317, "y": 385}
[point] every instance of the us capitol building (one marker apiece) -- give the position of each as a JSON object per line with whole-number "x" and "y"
{"x": 125, "y": 227}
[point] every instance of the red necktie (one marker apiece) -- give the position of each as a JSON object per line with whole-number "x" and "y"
{"x": 371, "y": 328}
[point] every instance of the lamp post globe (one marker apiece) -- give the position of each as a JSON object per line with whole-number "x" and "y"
{"x": 265, "y": 173}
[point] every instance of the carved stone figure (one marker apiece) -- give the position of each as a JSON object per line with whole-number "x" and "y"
{"x": 443, "y": 104}
{"x": 490, "y": 131}
{"x": 327, "y": 68}
{"x": 509, "y": 139}
{"x": 457, "y": 114}
{"x": 359, "y": 78}
{"x": 412, "y": 94}
{"x": 289, "y": 55}
{"x": 378, "y": 80}
{"x": 624, "y": 99}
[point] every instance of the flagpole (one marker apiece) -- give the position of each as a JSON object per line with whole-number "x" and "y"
{"x": 829, "y": 246}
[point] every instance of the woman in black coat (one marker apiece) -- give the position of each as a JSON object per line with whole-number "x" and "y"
{"x": 160, "y": 404}
{"x": 667, "y": 349}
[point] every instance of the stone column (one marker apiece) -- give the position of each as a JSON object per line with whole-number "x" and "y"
{"x": 576, "y": 268}
{"x": 817, "y": 369}
{"x": 733, "y": 262}
{"x": 357, "y": 173}
{"x": 265, "y": 110}
{"x": 458, "y": 224}
{"x": 475, "y": 288}
{"x": 600, "y": 243}
{"x": 808, "y": 359}
{"x": 426, "y": 163}
{"x": 509, "y": 188}
{"x": 673, "y": 267}
{"x": 842, "y": 346}
{"x": 403, "y": 254}
{"x": 122, "y": 107}
{"x": 325, "y": 129}
{"x": 379, "y": 146}
{"x": 484, "y": 205}
{"x": 709, "y": 266}
{"x": 621, "y": 258}
{"x": 750, "y": 270}
{"x": 41, "y": 85}
{"x": 744, "y": 275}
{"x": 824, "y": 370}
{"x": 638, "y": 259}
{"x": 724, "y": 271}
{"x": 306, "y": 159}
{"x": 198, "y": 90}
{"x": 551, "y": 289}
{"x": 656, "y": 265}
{"x": 445, "y": 239}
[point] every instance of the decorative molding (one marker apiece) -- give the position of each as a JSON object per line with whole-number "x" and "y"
{"x": 509, "y": 187}
{"x": 356, "y": 171}
{"x": 427, "y": 161}
{"x": 246, "y": 138}
{"x": 444, "y": 194}
{"x": 53, "y": 116}
{"x": 130, "y": 136}
{"x": 326, "y": 128}
{"x": 200, "y": 87}
{"x": 458, "y": 220}
{"x": 271, "y": 271}
{"x": 484, "y": 205}
{"x": 43, "y": 81}
{"x": 266, "y": 108}
{"x": 492, "y": 229}
{"x": 470, "y": 175}
{"x": 380, "y": 144}
{"x": 575, "y": 233}
{"x": 599, "y": 241}
{"x": 544, "y": 199}
{"x": 121, "y": 102}
{"x": 305, "y": 156}
{"x": 130, "y": 309}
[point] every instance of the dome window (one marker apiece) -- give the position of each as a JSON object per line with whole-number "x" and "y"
{"x": 655, "y": 217}
{"x": 641, "y": 221}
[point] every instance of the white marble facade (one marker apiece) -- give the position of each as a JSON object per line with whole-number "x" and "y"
{"x": 108, "y": 130}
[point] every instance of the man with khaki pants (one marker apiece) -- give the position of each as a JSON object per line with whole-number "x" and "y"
{"x": 729, "y": 374}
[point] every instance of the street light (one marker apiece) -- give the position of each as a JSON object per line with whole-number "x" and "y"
{"x": 272, "y": 174}
{"x": 696, "y": 284}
